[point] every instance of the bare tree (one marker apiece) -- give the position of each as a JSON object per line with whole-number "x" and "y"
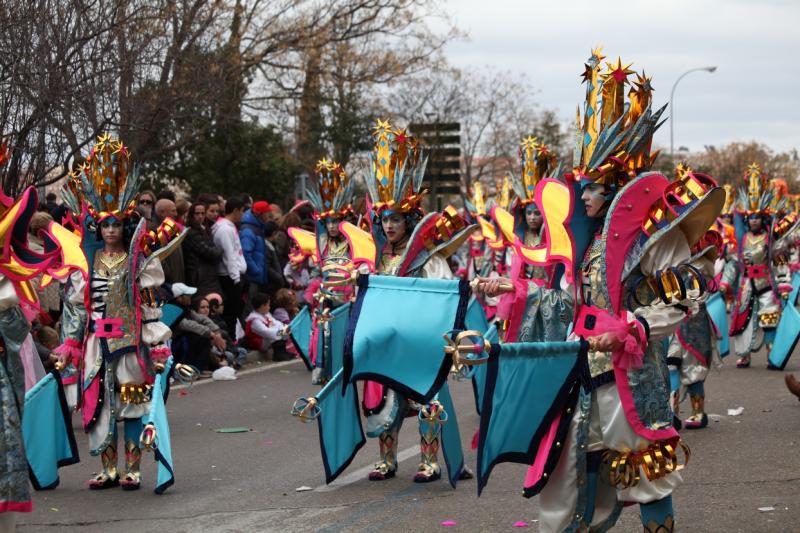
{"x": 496, "y": 109}
{"x": 728, "y": 163}
{"x": 165, "y": 74}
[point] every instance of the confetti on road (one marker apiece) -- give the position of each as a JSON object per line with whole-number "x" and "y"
{"x": 520, "y": 523}
{"x": 233, "y": 430}
{"x": 766, "y": 509}
{"x": 735, "y": 412}
{"x": 304, "y": 488}
{"x": 449, "y": 523}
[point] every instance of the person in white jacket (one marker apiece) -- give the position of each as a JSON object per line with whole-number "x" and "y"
{"x": 233, "y": 266}
{"x": 262, "y": 329}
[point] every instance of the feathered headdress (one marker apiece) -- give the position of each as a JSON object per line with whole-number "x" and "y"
{"x": 476, "y": 203}
{"x": 396, "y": 170}
{"x": 334, "y": 191}
{"x": 537, "y": 163}
{"x": 613, "y": 140}
{"x": 755, "y": 196}
{"x": 108, "y": 182}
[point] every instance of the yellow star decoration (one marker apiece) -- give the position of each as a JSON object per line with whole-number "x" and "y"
{"x": 753, "y": 169}
{"x": 529, "y": 142}
{"x": 382, "y": 127}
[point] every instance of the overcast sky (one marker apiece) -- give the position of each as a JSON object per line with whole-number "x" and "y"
{"x": 754, "y": 94}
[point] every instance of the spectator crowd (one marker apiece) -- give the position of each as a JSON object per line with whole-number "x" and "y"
{"x": 231, "y": 286}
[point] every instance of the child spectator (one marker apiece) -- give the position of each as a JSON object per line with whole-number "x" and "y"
{"x": 211, "y": 306}
{"x": 298, "y": 274}
{"x": 195, "y": 334}
{"x": 262, "y": 329}
{"x": 286, "y": 306}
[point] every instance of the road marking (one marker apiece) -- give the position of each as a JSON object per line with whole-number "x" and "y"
{"x": 361, "y": 473}
{"x": 255, "y": 370}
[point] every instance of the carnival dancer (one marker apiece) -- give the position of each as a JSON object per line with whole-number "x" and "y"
{"x": 332, "y": 201}
{"x": 16, "y": 290}
{"x": 729, "y": 271}
{"x": 485, "y": 246}
{"x": 395, "y": 193}
{"x": 110, "y": 329}
{"x": 764, "y": 277}
{"x": 529, "y": 313}
{"x": 501, "y": 249}
{"x": 389, "y": 335}
{"x": 632, "y": 289}
{"x": 476, "y": 206}
{"x": 693, "y": 347}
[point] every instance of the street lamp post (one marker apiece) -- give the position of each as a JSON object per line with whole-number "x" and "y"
{"x": 672, "y": 107}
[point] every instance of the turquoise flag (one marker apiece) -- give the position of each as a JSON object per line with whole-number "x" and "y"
{"x": 719, "y": 316}
{"x": 395, "y": 332}
{"x": 528, "y": 387}
{"x": 331, "y": 339}
{"x": 339, "y": 424}
{"x": 162, "y": 447}
{"x": 300, "y": 333}
{"x": 47, "y": 432}
{"x": 788, "y": 331}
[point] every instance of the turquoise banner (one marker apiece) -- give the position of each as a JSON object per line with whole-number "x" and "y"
{"x": 395, "y": 333}
{"x": 47, "y": 432}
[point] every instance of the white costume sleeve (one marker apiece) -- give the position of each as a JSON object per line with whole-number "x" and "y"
{"x": 437, "y": 268}
{"x": 154, "y": 332}
{"x": 671, "y": 250}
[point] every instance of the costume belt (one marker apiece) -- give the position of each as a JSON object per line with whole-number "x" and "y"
{"x": 135, "y": 393}
{"x": 109, "y": 328}
{"x": 757, "y": 271}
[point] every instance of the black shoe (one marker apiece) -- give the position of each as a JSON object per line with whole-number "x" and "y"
{"x": 466, "y": 473}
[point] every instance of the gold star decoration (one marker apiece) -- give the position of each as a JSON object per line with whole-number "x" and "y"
{"x": 617, "y": 72}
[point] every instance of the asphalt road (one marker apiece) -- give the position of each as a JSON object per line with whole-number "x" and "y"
{"x": 248, "y": 481}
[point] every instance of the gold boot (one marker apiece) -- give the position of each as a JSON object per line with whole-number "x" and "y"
{"x": 109, "y": 477}
{"x": 387, "y": 467}
{"x": 133, "y": 456}
{"x": 430, "y": 426}
{"x": 698, "y": 419}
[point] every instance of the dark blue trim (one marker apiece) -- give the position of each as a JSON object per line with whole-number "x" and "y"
{"x": 644, "y": 323}
{"x": 171, "y": 481}
{"x": 101, "y": 375}
{"x": 476, "y": 394}
{"x": 303, "y": 356}
{"x": 362, "y": 282}
{"x": 786, "y": 358}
